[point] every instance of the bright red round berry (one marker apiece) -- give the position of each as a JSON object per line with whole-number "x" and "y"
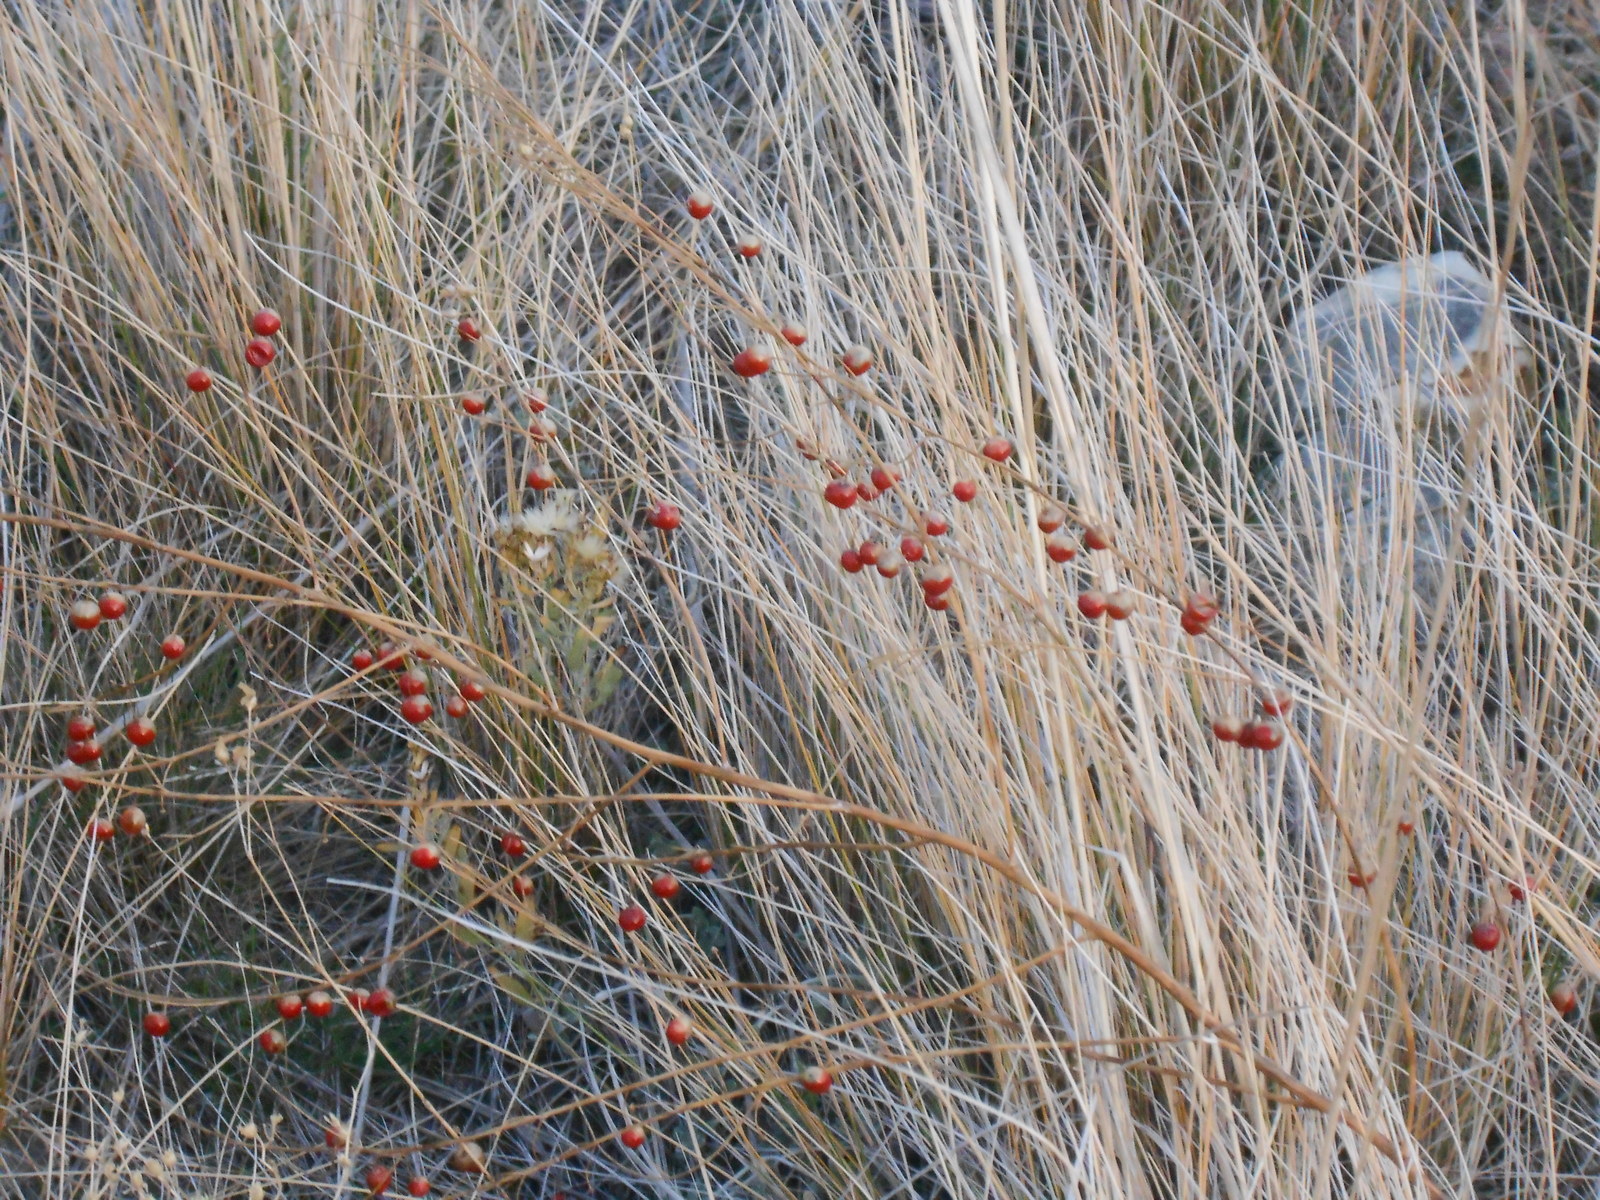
{"x": 1276, "y": 703}
{"x": 357, "y": 999}
{"x": 911, "y": 549}
{"x": 1120, "y": 605}
{"x": 883, "y": 478}
{"x": 83, "y": 753}
{"x": 1564, "y": 996}
{"x": 73, "y": 781}
{"x": 112, "y": 605}
{"x": 631, "y": 918}
{"x": 665, "y": 517}
{"x": 378, "y": 1178}
{"x": 84, "y": 615}
{"x": 1096, "y": 538}
{"x": 935, "y": 524}
{"x": 1092, "y": 604}
{"x": 537, "y": 400}
{"x": 857, "y": 360}
{"x": 419, "y": 1186}
{"x": 521, "y": 886}
{"x": 362, "y": 659}
{"x": 467, "y": 330}
{"x": 265, "y": 323}
{"x": 1051, "y": 517}
{"x": 1359, "y": 880}
{"x": 413, "y": 682}
{"x": 416, "y": 709}
{"x": 473, "y": 404}
{"x": 1407, "y": 827}
{"x": 290, "y": 1006}
{"x": 1485, "y": 935}
{"x": 198, "y": 380}
{"x": 840, "y": 493}
{"x": 816, "y": 1080}
{"x": 678, "y": 1030}
{"x": 259, "y": 352}
{"x": 319, "y": 1004}
{"x": 665, "y": 887}
{"x": 513, "y": 845}
{"x": 1060, "y": 548}
{"x": 889, "y": 563}
{"x": 633, "y": 1136}
{"x": 472, "y": 690}
{"x": 273, "y": 1041}
{"x": 964, "y": 490}
{"x": 794, "y": 333}
{"x": 1227, "y": 729}
{"x": 541, "y": 477}
{"x": 426, "y": 857}
{"x": 80, "y": 728}
{"x": 702, "y": 864}
{"x": 870, "y": 552}
{"x": 157, "y": 1024}
{"x": 391, "y": 657}
{"x": 750, "y": 362}
{"x": 381, "y": 1003}
{"x": 937, "y": 580}
{"x": 997, "y": 449}
{"x": 455, "y": 707}
{"x": 1262, "y": 735}
{"x": 140, "y": 731}
{"x": 850, "y": 560}
{"x": 699, "y": 204}
{"x": 102, "y": 830}
{"x": 748, "y": 246}
{"x": 173, "y": 646}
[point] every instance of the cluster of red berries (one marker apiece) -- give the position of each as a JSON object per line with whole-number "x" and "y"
{"x": 259, "y": 351}
{"x": 82, "y": 746}
{"x": 415, "y": 707}
{"x": 1256, "y": 735}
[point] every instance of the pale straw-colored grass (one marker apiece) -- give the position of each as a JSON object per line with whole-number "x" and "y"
{"x": 990, "y": 866}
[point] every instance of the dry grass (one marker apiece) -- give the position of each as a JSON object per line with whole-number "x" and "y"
{"x": 989, "y": 865}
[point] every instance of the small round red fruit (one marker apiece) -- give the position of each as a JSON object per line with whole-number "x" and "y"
{"x": 473, "y": 404}
{"x": 391, "y": 657}
{"x": 1120, "y": 605}
{"x": 264, "y": 323}
{"x": 935, "y": 524}
{"x": 750, "y": 362}
{"x": 289, "y": 1006}
{"x": 1092, "y": 604}
{"x": 1564, "y": 996}
{"x": 513, "y": 845}
{"x": 1227, "y": 729}
{"x": 1096, "y": 538}
{"x": 857, "y": 360}
{"x": 1060, "y": 548}
{"x": 1519, "y": 889}
{"x": 362, "y": 659}
{"x": 381, "y": 1003}
{"x": 795, "y": 334}
{"x": 413, "y": 682}
{"x": 631, "y": 918}
{"x": 132, "y": 821}
{"x": 1277, "y": 702}
{"x": 173, "y": 646}
{"x": 426, "y": 857}
{"x": 869, "y": 551}
{"x": 455, "y": 707}
{"x": 319, "y": 1004}
{"x": 521, "y": 887}
{"x": 699, "y": 204}
{"x": 1201, "y": 606}
{"x": 357, "y": 999}
{"x": 416, "y": 709}
{"x": 1406, "y": 827}
{"x": 468, "y": 330}
{"x": 419, "y": 1186}
{"x": 937, "y": 580}
{"x": 472, "y": 690}
{"x": 157, "y": 1024}
{"x": 748, "y": 246}
{"x": 964, "y": 490}
{"x": 80, "y": 728}
{"x": 537, "y": 400}
{"x": 664, "y": 517}
{"x": 84, "y": 615}
{"x": 73, "y": 781}
{"x": 1360, "y": 880}
{"x": 273, "y": 1041}
{"x": 678, "y": 1030}
{"x": 840, "y": 493}
{"x": 259, "y": 352}
{"x": 633, "y": 1136}
{"x": 84, "y": 752}
{"x": 378, "y": 1179}
{"x": 1485, "y": 935}
{"x": 140, "y": 731}
{"x": 911, "y": 549}
{"x": 816, "y": 1080}
{"x": 112, "y": 605}
{"x": 665, "y": 887}
{"x": 102, "y": 830}
{"x": 997, "y": 449}
{"x": 889, "y": 563}
{"x": 541, "y": 478}
{"x": 198, "y": 380}
{"x": 850, "y": 560}
{"x": 1262, "y": 735}
{"x": 702, "y": 864}
{"x": 883, "y": 478}
{"x": 542, "y": 430}
{"x": 1192, "y": 625}
{"x": 1051, "y": 517}
{"x": 937, "y": 603}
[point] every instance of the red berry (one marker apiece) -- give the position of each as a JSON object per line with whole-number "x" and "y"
{"x": 379, "y": 1178}
{"x": 702, "y": 864}
{"x": 816, "y": 1080}
{"x": 541, "y": 430}
{"x": 132, "y": 821}
{"x": 426, "y": 857}
{"x": 84, "y": 752}
{"x": 472, "y": 690}
{"x": 1565, "y": 997}
{"x": 935, "y": 524}
{"x": 198, "y": 380}
{"x": 1120, "y": 605}
{"x": 937, "y": 580}
{"x": 416, "y": 709}
{"x": 290, "y": 1006}
{"x": 631, "y": 919}
{"x": 1276, "y": 703}
{"x": 319, "y": 1004}
{"x": 362, "y": 659}
{"x": 633, "y": 1136}
{"x": 665, "y": 517}
{"x": 265, "y": 323}
{"x": 699, "y": 205}
{"x": 541, "y": 477}
{"x": 259, "y": 352}
{"x": 102, "y": 830}
{"x": 1192, "y": 625}
{"x": 869, "y": 551}
{"x": 1486, "y": 935}
{"x": 840, "y": 493}
{"x": 84, "y": 615}
{"x": 537, "y": 400}
{"x": 357, "y": 999}
{"x": 1096, "y": 538}
{"x": 1059, "y": 547}
{"x": 521, "y": 886}
{"x": 937, "y": 603}
{"x": 456, "y": 707}
{"x": 678, "y": 1030}
{"x": 467, "y": 330}
{"x": 1357, "y": 879}
{"x": 1519, "y": 889}
{"x": 335, "y": 1136}
{"x": 80, "y": 728}
{"x": 748, "y": 246}
{"x": 1262, "y": 735}
{"x": 173, "y": 646}
{"x": 381, "y": 1003}
{"x": 1407, "y": 827}
{"x": 1051, "y": 517}
{"x": 473, "y": 404}
{"x": 865, "y": 490}
{"x": 273, "y": 1041}
{"x": 665, "y": 887}
{"x": 911, "y": 549}
{"x": 850, "y": 560}
{"x": 414, "y": 682}
{"x": 1201, "y": 606}
{"x": 997, "y": 449}
{"x": 964, "y": 490}
{"x": 883, "y": 478}
{"x": 419, "y": 1186}
{"x": 1092, "y": 604}
{"x": 857, "y": 360}
{"x": 889, "y": 563}
{"x": 750, "y": 362}
{"x": 794, "y": 334}
{"x": 513, "y": 845}
{"x": 1227, "y": 729}
{"x": 157, "y": 1024}
{"x": 112, "y": 605}
{"x": 140, "y": 732}
{"x": 391, "y": 657}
